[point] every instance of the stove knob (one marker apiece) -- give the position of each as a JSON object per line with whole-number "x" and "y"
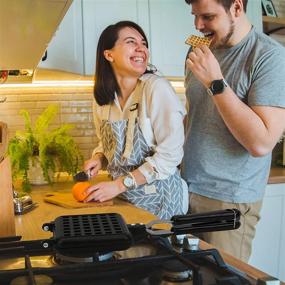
{"x": 48, "y": 227}
{"x": 178, "y": 240}
{"x": 45, "y": 244}
{"x": 45, "y": 228}
{"x": 191, "y": 243}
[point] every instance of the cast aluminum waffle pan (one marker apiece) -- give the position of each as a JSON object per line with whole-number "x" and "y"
{"x": 94, "y": 232}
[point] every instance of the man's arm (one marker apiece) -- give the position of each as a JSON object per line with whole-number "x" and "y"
{"x": 257, "y": 128}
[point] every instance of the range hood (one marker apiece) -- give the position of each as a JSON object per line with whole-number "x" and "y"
{"x": 26, "y": 28}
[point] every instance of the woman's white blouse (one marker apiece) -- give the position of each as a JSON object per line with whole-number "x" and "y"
{"x": 161, "y": 116}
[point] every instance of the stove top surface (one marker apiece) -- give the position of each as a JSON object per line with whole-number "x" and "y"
{"x": 142, "y": 264}
{"x": 78, "y": 255}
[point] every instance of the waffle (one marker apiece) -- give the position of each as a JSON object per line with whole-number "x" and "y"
{"x": 196, "y": 41}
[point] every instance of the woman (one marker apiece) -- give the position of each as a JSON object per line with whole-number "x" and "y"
{"x": 139, "y": 123}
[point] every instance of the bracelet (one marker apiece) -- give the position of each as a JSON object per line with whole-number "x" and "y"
{"x": 134, "y": 179}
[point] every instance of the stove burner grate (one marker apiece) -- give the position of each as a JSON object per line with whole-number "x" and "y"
{"x": 64, "y": 259}
{"x": 38, "y": 280}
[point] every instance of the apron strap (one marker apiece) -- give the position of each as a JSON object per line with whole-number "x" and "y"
{"x": 134, "y": 111}
{"x": 130, "y": 130}
{"x": 134, "y": 108}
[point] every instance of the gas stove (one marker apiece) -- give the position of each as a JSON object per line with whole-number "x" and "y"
{"x": 102, "y": 249}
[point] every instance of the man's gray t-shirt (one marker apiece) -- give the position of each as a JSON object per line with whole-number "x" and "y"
{"x": 215, "y": 164}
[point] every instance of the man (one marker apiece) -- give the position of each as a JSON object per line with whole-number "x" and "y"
{"x": 236, "y": 90}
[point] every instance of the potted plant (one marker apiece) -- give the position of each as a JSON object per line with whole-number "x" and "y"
{"x": 55, "y": 150}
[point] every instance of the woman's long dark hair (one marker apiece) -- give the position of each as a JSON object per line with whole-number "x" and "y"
{"x": 105, "y": 81}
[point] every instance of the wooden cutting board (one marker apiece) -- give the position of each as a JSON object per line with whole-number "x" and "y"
{"x": 3, "y": 139}
{"x": 7, "y": 224}
{"x": 66, "y": 200}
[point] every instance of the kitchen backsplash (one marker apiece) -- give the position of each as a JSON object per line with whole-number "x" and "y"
{"x": 74, "y": 95}
{"x": 75, "y": 108}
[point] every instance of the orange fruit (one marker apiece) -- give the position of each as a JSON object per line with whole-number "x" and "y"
{"x": 78, "y": 190}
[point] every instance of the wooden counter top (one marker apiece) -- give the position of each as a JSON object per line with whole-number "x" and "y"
{"x": 29, "y": 225}
{"x": 277, "y": 175}
{"x": 250, "y": 271}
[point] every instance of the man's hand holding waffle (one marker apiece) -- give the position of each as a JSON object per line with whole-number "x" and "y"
{"x": 201, "y": 61}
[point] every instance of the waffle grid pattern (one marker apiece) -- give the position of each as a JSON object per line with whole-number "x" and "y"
{"x": 196, "y": 41}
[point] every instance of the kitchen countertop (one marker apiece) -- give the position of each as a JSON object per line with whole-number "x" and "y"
{"x": 242, "y": 266}
{"x": 29, "y": 225}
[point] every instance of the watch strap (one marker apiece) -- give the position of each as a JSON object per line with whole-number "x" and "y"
{"x": 134, "y": 179}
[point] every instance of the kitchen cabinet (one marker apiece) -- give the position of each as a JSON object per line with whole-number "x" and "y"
{"x": 167, "y": 24}
{"x": 166, "y": 39}
{"x": 269, "y": 243}
{"x": 98, "y": 14}
{"x": 168, "y": 50}
{"x": 65, "y": 51}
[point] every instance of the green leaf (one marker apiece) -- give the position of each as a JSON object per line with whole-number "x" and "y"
{"x": 56, "y": 148}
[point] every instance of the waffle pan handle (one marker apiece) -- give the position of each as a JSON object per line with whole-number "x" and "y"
{"x": 221, "y": 220}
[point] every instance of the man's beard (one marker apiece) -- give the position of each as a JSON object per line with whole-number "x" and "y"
{"x": 224, "y": 41}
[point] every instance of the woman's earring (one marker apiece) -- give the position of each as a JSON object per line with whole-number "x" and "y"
{"x": 151, "y": 68}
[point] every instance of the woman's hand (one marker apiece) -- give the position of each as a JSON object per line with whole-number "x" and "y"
{"x": 94, "y": 164}
{"x": 104, "y": 191}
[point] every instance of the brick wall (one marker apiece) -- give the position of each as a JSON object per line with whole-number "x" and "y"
{"x": 75, "y": 108}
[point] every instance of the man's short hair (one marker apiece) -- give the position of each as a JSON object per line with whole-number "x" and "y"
{"x": 225, "y": 3}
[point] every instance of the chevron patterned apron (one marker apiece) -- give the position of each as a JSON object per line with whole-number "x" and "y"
{"x": 126, "y": 149}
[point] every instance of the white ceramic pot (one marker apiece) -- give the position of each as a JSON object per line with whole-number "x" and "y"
{"x": 35, "y": 172}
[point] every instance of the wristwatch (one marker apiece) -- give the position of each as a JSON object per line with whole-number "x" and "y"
{"x": 217, "y": 87}
{"x": 129, "y": 182}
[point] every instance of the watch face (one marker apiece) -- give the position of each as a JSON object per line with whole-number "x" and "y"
{"x": 128, "y": 181}
{"x": 218, "y": 86}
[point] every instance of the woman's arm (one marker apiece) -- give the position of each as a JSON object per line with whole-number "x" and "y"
{"x": 166, "y": 114}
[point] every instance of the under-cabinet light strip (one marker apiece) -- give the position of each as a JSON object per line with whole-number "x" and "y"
{"x": 66, "y": 83}
{"x": 87, "y": 83}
